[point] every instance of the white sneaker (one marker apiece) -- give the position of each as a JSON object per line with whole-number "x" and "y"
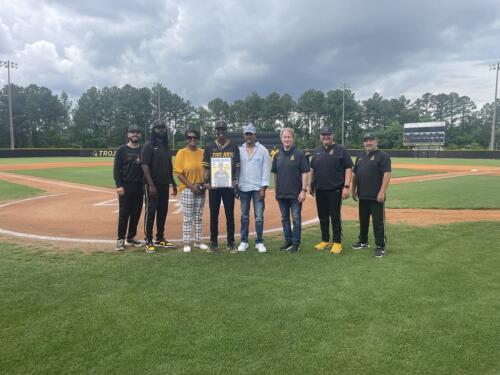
{"x": 187, "y": 249}
{"x": 260, "y": 248}
{"x": 243, "y": 247}
{"x": 200, "y": 245}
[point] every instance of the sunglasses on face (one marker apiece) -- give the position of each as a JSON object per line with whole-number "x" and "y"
{"x": 249, "y": 134}
{"x": 190, "y": 137}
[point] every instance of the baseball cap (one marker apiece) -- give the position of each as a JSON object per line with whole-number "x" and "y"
{"x": 325, "y": 130}
{"x": 249, "y": 129}
{"x": 220, "y": 125}
{"x": 369, "y": 136}
{"x": 134, "y": 128}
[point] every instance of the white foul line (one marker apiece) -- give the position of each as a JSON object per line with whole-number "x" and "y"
{"x": 29, "y": 199}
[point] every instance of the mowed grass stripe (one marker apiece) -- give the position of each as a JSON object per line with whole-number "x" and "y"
{"x": 10, "y": 191}
{"x": 431, "y": 306}
{"x": 464, "y": 192}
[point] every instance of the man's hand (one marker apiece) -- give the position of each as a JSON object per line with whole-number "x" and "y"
{"x": 120, "y": 191}
{"x": 354, "y": 195}
{"x": 345, "y": 193}
{"x": 174, "y": 191}
{"x": 262, "y": 194}
{"x": 311, "y": 191}
{"x": 207, "y": 186}
{"x": 153, "y": 191}
{"x": 302, "y": 196}
{"x": 381, "y": 197}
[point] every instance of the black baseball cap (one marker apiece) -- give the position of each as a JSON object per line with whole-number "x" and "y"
{"x": 134, "y": 128}
{"x": 325, "y": 130}
{"x": 369, "y": 136}
{"x": 220, "y": 125}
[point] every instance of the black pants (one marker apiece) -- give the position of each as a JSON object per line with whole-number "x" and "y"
{"x": 214, "y": 199}
{"x": 377, "y": 212}
{"x": 329, "y": 203}
{"x": 130, "y": 208}
{"x": 157, "y": 206}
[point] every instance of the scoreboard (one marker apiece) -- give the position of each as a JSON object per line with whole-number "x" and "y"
{"x": 424, "y": 134}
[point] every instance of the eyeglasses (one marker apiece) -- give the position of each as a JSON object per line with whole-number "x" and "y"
{"x": 190, "y": 137}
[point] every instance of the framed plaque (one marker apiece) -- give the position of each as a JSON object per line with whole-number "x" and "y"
{"x": 221, "y": 172}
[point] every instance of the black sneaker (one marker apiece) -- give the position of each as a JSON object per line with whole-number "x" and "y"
{"x": 379, "y": 252}
{"x": 286, "y": 246}
{"x": 360, "y": 245}
{"x": 295, "y": 248}
{"x": 231, "y": 248}
{"x": 213, "y": 247}
{"x": 133, "y": 242}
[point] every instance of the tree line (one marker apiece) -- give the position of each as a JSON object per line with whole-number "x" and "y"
{"x": 99, "y": 117}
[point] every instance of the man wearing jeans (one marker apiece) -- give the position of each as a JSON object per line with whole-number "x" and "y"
{"x": 254, "y": 180}
{"x": 290, "y": 168}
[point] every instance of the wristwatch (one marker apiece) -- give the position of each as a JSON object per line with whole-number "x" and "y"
{"x": 347, "y": 186}
{"x": 305, "y": 189}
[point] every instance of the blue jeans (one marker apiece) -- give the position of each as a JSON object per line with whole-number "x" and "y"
{"x": 293, "y": 205}
{"x": 258, "y": 211}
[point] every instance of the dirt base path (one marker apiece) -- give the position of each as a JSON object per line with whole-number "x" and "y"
{"x": 70, "y": 213}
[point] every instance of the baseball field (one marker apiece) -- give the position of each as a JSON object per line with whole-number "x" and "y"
{"x": 70, "y": 304}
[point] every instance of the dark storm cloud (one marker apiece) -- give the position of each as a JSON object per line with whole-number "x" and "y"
{"x": 223, "y": 48}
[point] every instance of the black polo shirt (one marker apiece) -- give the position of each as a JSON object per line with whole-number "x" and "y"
{"x": 228, "y": 150}
{"x": 288, "y": 167}
{"x": 159, "y": 160}
{"x": 329, "y": 166}
{"x": 127, "y": 166}
{"x": 370, "y": 168}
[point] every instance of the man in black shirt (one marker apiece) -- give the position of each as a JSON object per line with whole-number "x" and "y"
{"x": 290, "y": 168}
{"x": 372, "y": 173}
{"x": 221, "y": 148}
{"x": 331, "y": 171}
{"x": 127, "y": 173}
{"x": 158, "y": 172}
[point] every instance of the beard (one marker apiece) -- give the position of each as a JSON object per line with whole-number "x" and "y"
{"x": 134, "y": 139}
{"x": 159, "y": 139}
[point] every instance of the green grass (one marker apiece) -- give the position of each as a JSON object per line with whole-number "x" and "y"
{"x": 52, "y": 160}
{"x": 401, "y": 172}
{"x": 430, "y": 307}
{"x": 471, "y": 192}
{"x": 97, "y": 176}
{"x": 483, "y": 162}
{"x": 10, "y": 191}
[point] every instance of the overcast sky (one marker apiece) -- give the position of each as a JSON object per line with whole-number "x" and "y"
{"x": 202, "y": 49}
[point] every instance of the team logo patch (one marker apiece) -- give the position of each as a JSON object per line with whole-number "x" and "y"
{"x": 373, "y": 157}
{"x": 293, "y": 157}
{"x": 331, "y": 151}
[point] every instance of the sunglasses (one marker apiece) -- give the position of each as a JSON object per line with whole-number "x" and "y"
{"x": 249, "y": 134}
{"x": 190, "y": 137}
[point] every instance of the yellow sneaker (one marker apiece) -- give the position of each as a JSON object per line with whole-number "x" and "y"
{"x": 322, "y": 246}
{"x": 336, "y": 248}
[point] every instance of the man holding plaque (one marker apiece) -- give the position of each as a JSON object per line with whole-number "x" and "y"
{"x": 221, "y": 161}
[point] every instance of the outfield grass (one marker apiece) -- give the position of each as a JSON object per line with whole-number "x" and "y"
{"x": 10, "y": 191}
{"x": 103, "y": 176}
{"x": 430, "y": 307}
{"x": 52, "y": 160}
{"x": 472, "y": 192}
{"x": 484, "y": 162}
{"x": 402, "y": 172}
{"x": 96, "y": 176}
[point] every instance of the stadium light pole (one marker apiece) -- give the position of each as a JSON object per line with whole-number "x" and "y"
{"x": 492, "y": 140}
{"x": 343, "y": 112}
{"x": 10, "y": 65}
